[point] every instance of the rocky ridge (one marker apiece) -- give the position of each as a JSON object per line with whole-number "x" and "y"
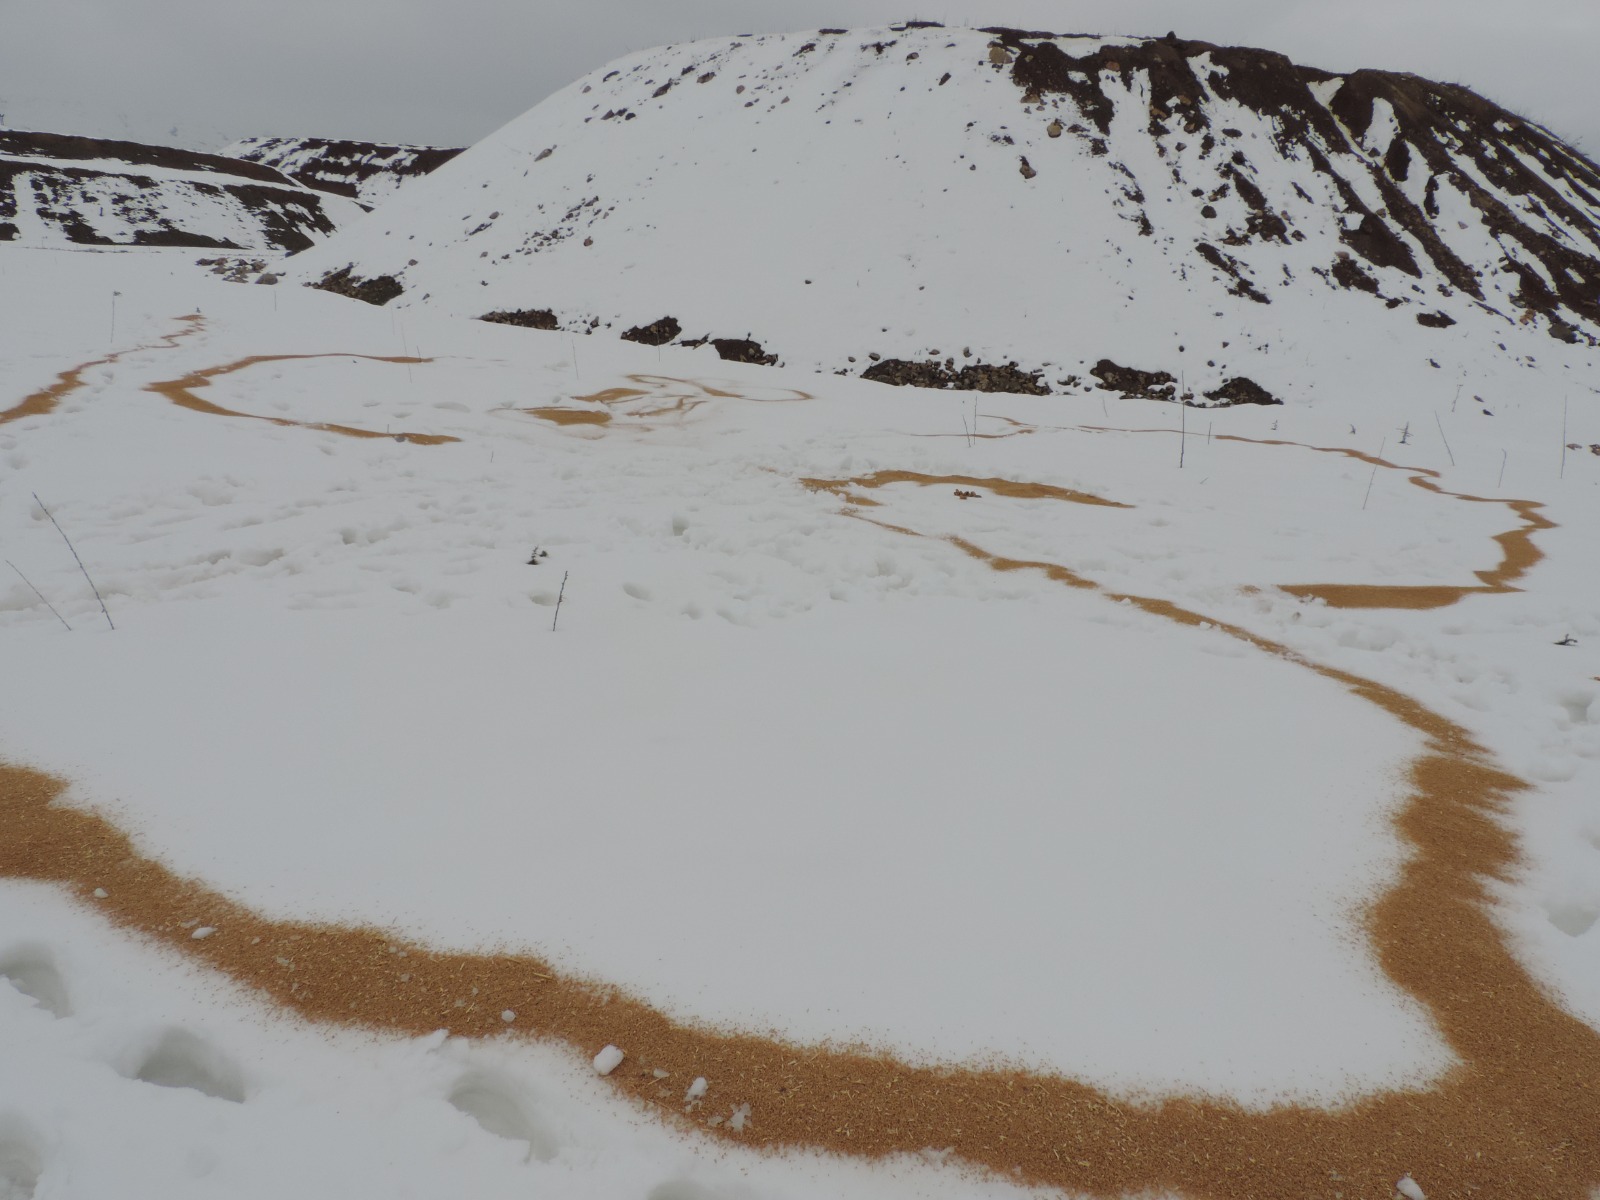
{"x": 58, "y": 189}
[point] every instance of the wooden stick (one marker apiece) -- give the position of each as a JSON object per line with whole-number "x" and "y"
{"x": 37, "y": 593}
{"x": 559, "y": 596}
{"x": 1444, "y": 439}
{"x": 74, "y": 550}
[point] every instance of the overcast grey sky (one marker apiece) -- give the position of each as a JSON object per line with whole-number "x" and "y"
{"x": 446, "y": 73}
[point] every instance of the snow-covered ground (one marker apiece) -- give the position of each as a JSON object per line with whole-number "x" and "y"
{"x": 790, "y": 761}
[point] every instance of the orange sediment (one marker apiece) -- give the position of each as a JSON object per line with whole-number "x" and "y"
{"x": 571, "y": 416}
{"x": 182, "y": 393}
{"x": 1519, "y": 1116}
{"x": 37, "y": 404}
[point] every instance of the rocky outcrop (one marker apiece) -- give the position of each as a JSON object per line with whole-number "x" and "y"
{"x": 379, "y": 290}
{"x": 974, "y": 377}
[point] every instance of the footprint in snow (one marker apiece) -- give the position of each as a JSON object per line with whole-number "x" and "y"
{"x": 1572, "y": 918}
{"x": 636, "y": 591}
{"x": 499, "y": 1107}
{"x": 684, "y": 1189}
{"x": 31, "y": 969}
{"x": 179, "y": 1059}
{"x": 21, "y": 1160}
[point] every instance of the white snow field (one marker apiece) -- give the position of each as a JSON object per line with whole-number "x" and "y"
{"x": 780, "y": 766}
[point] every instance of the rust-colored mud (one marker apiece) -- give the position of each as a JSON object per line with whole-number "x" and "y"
{"x": 69, "y": 381}
{"x": 571, "y": 416}
{"x": 182, "y": 393}
{"x": 1519, "y": 1118}
{"x": 655, "y": 396}
{"x": 1000, "y": 487}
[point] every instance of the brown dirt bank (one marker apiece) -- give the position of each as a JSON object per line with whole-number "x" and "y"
{"x": 1520, "y": 1117}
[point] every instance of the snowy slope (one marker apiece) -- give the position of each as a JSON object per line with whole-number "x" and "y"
{"x": 60, "y": 190}
{"x": 939, "y": 198}
{"x": 813, "y": 750}
{"x": 363, "y": 171}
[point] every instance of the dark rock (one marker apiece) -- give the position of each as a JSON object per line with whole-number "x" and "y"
{"x": 1132, "y": 382}
{"x": 1348, "y": 273}
{"x": 657, "y": 333}
{"x": 982, "y": 377}
{"x": 904, "y": 373}
{"x": 1242, "y": 390}
{"x": 974, "y": 377}
{"x": 1435, "y": 320}
{"x": 743, "y": 350}
{"x": 527, "y": 318}
{"x": 379, "y": 290}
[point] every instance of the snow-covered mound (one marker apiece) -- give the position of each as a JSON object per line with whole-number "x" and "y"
{"x": 57, "y": 189}
{"x": 930, "y": 205}
{"x": 363, "y": 171}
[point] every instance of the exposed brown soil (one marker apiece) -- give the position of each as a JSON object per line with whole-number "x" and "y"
{"x": 1516, "y": 1118}
{"x": 182, "y": 393}
{"x": 45, "y": 400}
{"x": 571, "y": 416}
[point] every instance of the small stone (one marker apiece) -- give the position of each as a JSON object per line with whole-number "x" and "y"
{"x": 101, "y": 893}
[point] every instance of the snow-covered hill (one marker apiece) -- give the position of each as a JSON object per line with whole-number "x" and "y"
{"x": 913, "y": 202}
{"x": 58, "y": 190}
{"x": 362, "y": 171}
